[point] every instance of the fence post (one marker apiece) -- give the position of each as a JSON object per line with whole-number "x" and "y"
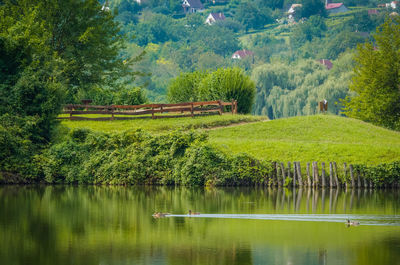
{"x": 299, "y": 176}
{"x": 191, "y": 110}
{"x": 152, "y": 111}
{"x": 220, "y": 107}
{"x": 323, "y": 175}
{"x": 112, "y": 112}
{"x": 233, "y": 106}
{"x": 352, "y": 176}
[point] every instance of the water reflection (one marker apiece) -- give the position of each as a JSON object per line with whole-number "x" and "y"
{"x": 113, "y": 225}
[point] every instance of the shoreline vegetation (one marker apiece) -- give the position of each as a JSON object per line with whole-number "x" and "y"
{"x": 129, "y": 154}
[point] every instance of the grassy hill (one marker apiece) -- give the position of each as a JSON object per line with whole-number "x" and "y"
{"x": 162, "y": 125}
{"x": 320, "y": 138}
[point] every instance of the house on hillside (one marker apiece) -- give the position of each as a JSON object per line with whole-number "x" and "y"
{"x": 241, "y": 54}
{"x": 334, "y": 8}
{"x": 192, "y": 6}
{"x": 326, "y": 62}
{"x": 214, "y": 17}
{"x": 292, "y": 11}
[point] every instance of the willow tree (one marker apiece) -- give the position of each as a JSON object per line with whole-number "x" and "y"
{"x": 376, "y": 81}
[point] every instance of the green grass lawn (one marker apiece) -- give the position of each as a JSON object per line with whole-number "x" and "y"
{"x": 322, "y": 138}
{"x": 161, "y": 125}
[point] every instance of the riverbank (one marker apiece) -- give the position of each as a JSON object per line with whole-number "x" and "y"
{"x": 249, "y": 154}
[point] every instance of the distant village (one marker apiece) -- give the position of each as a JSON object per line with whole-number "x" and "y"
{"x": 196, "y": 6}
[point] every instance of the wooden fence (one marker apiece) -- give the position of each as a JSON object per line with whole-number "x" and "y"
{"x": 314, "y": 177}
{"x": 187, "y": 109}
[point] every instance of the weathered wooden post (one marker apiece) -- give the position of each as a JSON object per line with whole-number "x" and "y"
{"x": 233, "y": 106}
{"x": 345, "y": 174}
{"x": 352, "y": 176}
{"x": 323, "y": 176}
{"x": 330, "y": 174}
{"x": 365, "y": 182}
{"x": 294, "y": 174}
{"x": 336, "y": 175}
{"x": 283, "y": 174}
{"x": 220, "y": 107}
{"x": 236, "y": 106}
{"x": 273, "y": 175}
{"x": 277, "y": 174}
{"x": 308, "y": 175}
{"x": 315, "y": 174}
{"x": 300, "y": 178}
{"x": 191, "y": 110}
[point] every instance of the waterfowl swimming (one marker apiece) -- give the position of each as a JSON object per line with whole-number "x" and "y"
{"x": 352, "y": 223}
{"x": 193, "y": 213}
{"x": 160, "y": 215}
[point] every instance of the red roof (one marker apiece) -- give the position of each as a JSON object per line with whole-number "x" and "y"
{"x": 243, "y": 53}
{"x": 333, "y": 5}
{"x": 326, "y": 62}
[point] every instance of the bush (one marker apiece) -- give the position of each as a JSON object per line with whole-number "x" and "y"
{"x": 135, "y": 157}
{"x": 223, "y": 84}
{"x": 228, "y": 84}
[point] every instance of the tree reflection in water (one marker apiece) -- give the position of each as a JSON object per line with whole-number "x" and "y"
{"x": 110, "y": 225}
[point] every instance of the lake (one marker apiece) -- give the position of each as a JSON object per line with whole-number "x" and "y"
{"x": 114, "y": 225}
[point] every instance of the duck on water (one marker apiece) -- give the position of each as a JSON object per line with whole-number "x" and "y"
{"x": 160, "y": 215}
{"x": 352, "y": 223}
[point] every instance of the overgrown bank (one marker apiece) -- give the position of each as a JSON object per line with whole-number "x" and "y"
{"x": 176, "y": 158}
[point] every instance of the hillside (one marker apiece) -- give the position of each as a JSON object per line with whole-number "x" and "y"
{"x": 162, "y": 125}
{"x": 320, "y": 138}
{"x": 311, "y": 138}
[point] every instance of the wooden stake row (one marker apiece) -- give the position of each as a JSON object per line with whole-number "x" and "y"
{"x": 318, "y": 178}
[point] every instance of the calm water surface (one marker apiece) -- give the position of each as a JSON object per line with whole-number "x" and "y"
{"x": 114, "y": 225}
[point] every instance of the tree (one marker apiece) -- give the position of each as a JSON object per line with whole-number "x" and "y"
{"x": 185, "y": 87}
{"x": 252, "y": 16}
{"x": 313, "y": 7}
{"x": 228, "y": 84}
{"x": 49, "y": 50}
{"x": 77, "y": 33}
{"x": 376, "y": 81}
{"x": 314, "y": 27}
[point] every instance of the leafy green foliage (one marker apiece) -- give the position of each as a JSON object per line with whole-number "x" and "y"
{"x": 291, "y": 90}
{"x": 306, "y": 31}
{"x": 252, "y": 16}
{"x": 376, "y": 81}
{"x": 223, "y": 84}
{"x": 313, "y": 7}
{"x": 135, "y": 157}
{"x": 185, "y": 87}
{"x": 228, "y": 84}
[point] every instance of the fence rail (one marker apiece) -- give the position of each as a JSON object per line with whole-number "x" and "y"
{"x": 185, "y": 109}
